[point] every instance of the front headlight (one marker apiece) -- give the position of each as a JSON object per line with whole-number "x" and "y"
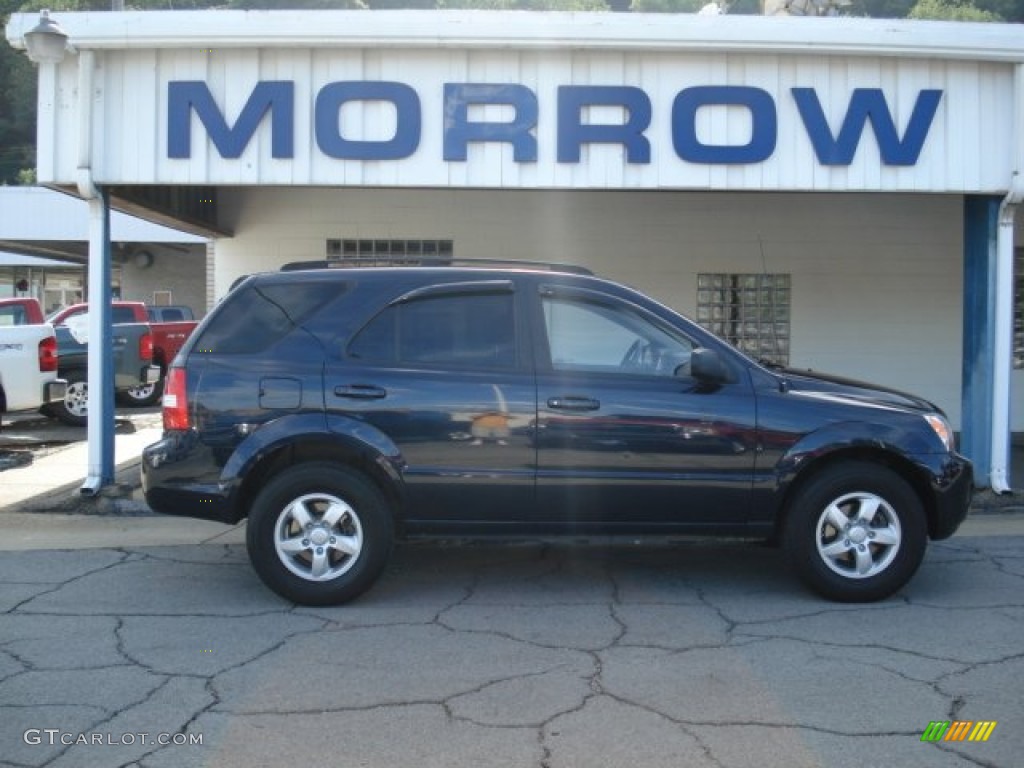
{"x": 941, "y": 428}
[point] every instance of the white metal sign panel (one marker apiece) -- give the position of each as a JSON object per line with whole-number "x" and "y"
{"x": 536, "y": 119}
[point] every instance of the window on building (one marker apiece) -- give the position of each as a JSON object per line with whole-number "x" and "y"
{"x": 1018, "y": 309}
{"x": 751, "y": 312}
{"x": 367, "y": 252}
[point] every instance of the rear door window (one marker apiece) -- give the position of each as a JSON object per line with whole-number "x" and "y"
{"x": 458, "y": 330}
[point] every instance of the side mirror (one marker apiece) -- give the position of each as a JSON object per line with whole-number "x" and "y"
{"x": 707, "y": 366}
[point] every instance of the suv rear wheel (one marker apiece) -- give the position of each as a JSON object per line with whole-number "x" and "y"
{"x": 319, "y": 534}
{"x": 856, "y": 532}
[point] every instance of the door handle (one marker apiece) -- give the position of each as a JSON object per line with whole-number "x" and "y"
{"x": 573, "y": 403}
{"x": 361, "y": 392}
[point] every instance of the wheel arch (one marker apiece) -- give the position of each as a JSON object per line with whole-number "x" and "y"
{"x": 902, "y": 466}
{"x": 318, "y": 447}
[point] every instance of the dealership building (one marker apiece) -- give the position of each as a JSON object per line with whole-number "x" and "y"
{"x": 836, "y": 194}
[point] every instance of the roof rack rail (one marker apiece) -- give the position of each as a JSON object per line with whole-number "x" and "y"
{"x": 428, "y": 261}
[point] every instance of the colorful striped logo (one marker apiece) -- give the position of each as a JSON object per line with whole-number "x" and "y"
{"x": 958, "y": 730}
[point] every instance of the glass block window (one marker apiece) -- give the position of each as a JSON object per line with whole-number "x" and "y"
{"x": 751, "y": 312}
{"x": 371, "y": 252}
{"x": 1018, "y": 309}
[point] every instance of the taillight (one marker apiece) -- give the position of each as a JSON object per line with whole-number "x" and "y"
{"x": 175, "y": 400}
{"x": 146, "y": 346}
{"x": 48, "y": 354}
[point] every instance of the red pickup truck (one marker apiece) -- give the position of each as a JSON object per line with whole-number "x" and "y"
{"x": 168, "y": 336}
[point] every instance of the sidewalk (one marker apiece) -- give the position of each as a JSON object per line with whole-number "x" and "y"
{"x": 41, "y": 506}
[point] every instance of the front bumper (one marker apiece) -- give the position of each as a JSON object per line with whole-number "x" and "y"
{"x": 952, "y": 485}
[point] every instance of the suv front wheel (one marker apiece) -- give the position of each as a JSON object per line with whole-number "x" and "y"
{"x": 856, "y": 532}
{"x": 319, "y": 534}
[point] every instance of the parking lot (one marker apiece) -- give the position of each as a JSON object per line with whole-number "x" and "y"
{"x": 470, "y": 653}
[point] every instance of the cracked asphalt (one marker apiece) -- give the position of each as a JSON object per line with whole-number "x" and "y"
{"x": 540, "y": 654}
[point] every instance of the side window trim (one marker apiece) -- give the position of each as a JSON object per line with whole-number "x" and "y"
{"x": 584, "y": 294}
{"x": 440, "y": 290}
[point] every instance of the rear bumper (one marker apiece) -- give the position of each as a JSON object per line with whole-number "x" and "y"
{"x": 54, "y": 391}
{"x": 146, "y": 374}
{"x": 179, "y": 477}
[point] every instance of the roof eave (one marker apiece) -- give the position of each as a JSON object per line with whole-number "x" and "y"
{"x": 529, "y": 30}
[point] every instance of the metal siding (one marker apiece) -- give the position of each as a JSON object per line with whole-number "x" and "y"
{"x": 47, "y": 140}
{"x": 968, "y": 147}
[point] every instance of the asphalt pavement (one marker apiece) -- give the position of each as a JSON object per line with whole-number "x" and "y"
{"x": 509, "y": 655}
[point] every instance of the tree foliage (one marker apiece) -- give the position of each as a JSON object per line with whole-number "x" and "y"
{"x": 667, "y": 6}
{"x": 17, "y": 114}
{"x": 994, "y": 10}
{"x": 528, "y": 5}
{"x": 950, "y": 10}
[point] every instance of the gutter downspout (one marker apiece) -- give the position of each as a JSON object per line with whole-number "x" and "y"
{"x": 100, "y": 428}
{"x": 1003, "y": 341}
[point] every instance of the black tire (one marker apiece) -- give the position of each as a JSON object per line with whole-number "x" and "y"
{"x": 856, "y": 532}
{"x": 73, "y": 409}
{"x": 352, "y": 550}
{"x": 143, "y": 395}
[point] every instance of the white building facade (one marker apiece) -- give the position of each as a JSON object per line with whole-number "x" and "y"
{"x": 837, "y": 194}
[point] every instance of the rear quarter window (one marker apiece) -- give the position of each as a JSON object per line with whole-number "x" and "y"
{"x": 257, "y": 317}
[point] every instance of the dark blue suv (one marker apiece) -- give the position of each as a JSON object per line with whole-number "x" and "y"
{"x": 338, "y": 409}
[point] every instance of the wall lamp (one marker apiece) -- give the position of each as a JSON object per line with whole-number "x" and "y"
{"x": 46, "y": 42}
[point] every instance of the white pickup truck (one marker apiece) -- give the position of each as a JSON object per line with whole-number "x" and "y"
{"x": 28, "y": 362}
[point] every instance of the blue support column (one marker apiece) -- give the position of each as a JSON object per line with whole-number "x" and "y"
{"x": 100, "y": 429}
{"x": 981, "y": 224}
{"x": 107, "y": 387}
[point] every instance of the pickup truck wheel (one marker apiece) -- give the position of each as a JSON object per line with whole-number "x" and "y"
{"x": 856, "y": 533}
{"x": 73, "y": 409}
{"x": 142, "y": 395}
{"x": 319, "y": 534}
